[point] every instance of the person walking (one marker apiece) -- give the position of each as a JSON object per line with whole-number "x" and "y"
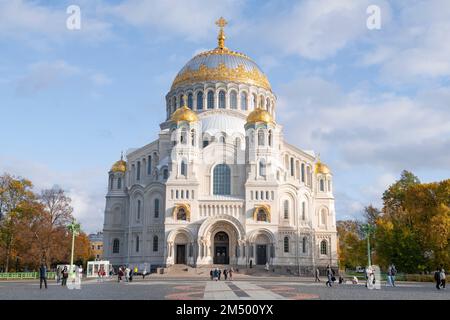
{"x": 329, "y": 276}
{"x": 437, "y": 278}
{"x": 131, "y": 275}
{"x": 119, "y": 274}
{"x": 317, "y": 275}
{"x": 225, "y": 274}
{"x": 230, "y": 273}
{"x": 211, "y": 273}
{"x": 216, "y": 274}
{"x": 58, "y": 275}
{"x": 219, "y": 273}
{"x": 393, "y": 273}
{"x": 127, "y": 274}
{"x": 43, "y": 276}
{"x": 65, "y": 275}
{"x": 442, "y": 277}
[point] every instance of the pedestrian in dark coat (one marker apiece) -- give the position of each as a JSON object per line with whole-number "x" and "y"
{"x": 65, "y": 275}
{"x": 43, "y": 276}
{"x": 437, "y": 278}
{"x": 219, "y": 273}
{"x": 225, "y": 274}
{"x": 211, "y": 273}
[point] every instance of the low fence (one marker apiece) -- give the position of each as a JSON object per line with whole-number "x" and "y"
{"x": 24, "y": 275}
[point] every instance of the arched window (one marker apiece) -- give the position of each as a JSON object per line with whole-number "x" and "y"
{"x": 302, "y": 168}
{"x": 183, "y": 137}
{"x": 200, "y": 100}
{"x": 183, "y": 168}
{"x": 180, "y": 101}
{"x": 261, "y": 215}
{"x": 210, "y": 102}
{"x": 138, "y": 210}
{"x": 190, "y": 101}
{"x": 323, "y": 247}
{"x": 138, "y": 171}
{"x": 193, "y": 137}
{"x": 255, "y": 101}
{"x": 262, "y": 168}
{"x": 322, "y": 185}
{"x": 323, "y": 217}
{"x": 304, "y": 245}
{"x": 268, "y": 104}
{"x": 286, "y": 244}
{"x": 222, "y": 179}
{"x": 116, "y": 245}
{"x": 303, "y": 210}
{"x": 222, "y": 99}
{"x": 181, "y": 214}
{"x": 237, "y": 143}
{"x": 174, "y": 103}
{"x": 149, "y": 165}
{"x": 261, "y": 102}
{"x": 155, "y": 243}
{"x": 286, "y": 209}
{"x": 233, "y": 100}
{"x": 165, "y": 174}
{"x": 292, "y": 167}
{"x": 111, "y": 182}
{"x": 308, "y": 175}
{"x": 119, "y": 183}
{"x": 329, "y": 185}
{"x": 270, "y": 138}
{"x": 137, "y": 243}
{"x": 260, "y": 138}
{"x": 243, "y": 101}
{"x": 156, "y": 208}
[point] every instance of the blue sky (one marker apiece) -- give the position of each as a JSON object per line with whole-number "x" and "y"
{"x": 372, "y": 102}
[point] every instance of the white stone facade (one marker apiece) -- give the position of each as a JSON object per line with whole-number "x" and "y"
{"x": 269, "y": 202}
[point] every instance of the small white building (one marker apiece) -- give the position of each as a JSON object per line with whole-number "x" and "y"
{"x": 220, "y": 185}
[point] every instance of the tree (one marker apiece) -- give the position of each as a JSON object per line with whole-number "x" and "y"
{"x": 14, "y": 192}
{"x": 414, "y": 230}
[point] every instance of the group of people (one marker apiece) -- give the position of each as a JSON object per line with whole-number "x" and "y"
{"x": 216, "y": 273}
{"x": 126, "y": 273}
{"x": 439, "y": 277}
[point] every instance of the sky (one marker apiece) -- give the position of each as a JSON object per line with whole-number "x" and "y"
{"x": 372, "y": 102}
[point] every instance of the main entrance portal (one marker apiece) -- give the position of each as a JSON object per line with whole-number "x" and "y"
{"x": 221, "y": 248}
{"x": 181, "y": 254}
{"x": 261, "y": 254}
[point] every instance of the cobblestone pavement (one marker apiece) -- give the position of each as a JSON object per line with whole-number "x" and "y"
{"x": 198, "y": 289}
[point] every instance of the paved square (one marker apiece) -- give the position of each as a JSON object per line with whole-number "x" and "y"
{"x": 199, "y": 289}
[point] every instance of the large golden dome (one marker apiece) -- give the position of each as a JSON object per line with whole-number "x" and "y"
{"x": 259, "y": 115}
{"x": 184, "y": 114}
{"x": 119, "y": 166}
{"x": 221, "y": 64}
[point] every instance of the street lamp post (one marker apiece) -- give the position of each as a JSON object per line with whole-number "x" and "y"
{"x": 75, "y": 229}
{"x": 368, "y": 230}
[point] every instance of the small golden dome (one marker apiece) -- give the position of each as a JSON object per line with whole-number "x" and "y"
{"x": 322, "y": 168}
{"x": 119, "y": 166}
{"x": 184, "y": 114}
{"x": 259, "y": 115}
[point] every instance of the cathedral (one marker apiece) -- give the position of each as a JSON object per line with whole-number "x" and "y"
{"x": 221, "y": 185}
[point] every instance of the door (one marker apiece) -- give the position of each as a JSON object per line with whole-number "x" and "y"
{"x": 221, "y": 255}
{"x": 261, "y": 254}
{"x": 181, "y": 254}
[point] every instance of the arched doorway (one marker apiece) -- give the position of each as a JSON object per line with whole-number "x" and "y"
{"x": 181, "y": 242}
{"x": 221, "y": 248}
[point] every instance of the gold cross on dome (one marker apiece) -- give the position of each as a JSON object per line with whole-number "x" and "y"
{"x": 221, "y": 22}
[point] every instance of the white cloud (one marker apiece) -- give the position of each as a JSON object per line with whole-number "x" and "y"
{"x": 318, "y": 29}
{"x": 387, "y": 130}
{"x": 192, "y": 19}
{"x": 33, "y": 23}
{"x": 43, "y": 74}
{"x": 85, "y": 187}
